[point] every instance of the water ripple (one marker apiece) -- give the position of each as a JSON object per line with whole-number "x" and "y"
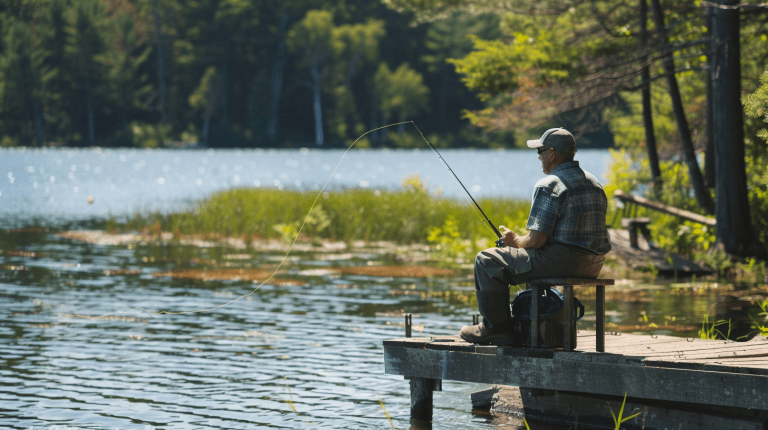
{"x": 313, "y": 348}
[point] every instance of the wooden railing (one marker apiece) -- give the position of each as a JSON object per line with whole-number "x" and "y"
{"x": 661, "y": 207}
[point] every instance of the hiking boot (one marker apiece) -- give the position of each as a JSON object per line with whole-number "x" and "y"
{"x": 482, "y": 335}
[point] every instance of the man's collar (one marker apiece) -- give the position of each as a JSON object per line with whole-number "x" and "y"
{"x": 564, "y": 166}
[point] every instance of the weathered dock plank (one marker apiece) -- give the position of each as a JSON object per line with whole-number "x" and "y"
{"x": 720, "y": 373}
{"x": 745, "y": 368}
{"x": 699, "y": 354}
{"x": 659, "y": 383}
{"x": 668, "y": 346}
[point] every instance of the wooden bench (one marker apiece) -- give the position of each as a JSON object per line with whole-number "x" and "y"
{"x": 635, "y": 224}
{"x": 538, "y": 286}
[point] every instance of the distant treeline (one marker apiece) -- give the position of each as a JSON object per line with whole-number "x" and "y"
{"x": 223, "y": 73}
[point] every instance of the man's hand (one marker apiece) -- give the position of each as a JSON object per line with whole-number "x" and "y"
{"x": 509, "y": 237}
{"x": 534, "y": 239}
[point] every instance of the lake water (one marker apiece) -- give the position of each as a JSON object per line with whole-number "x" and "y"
{"x": 303, "y": 355}
{"x": 54, "y": 185}
{"x": 302, "y": 351}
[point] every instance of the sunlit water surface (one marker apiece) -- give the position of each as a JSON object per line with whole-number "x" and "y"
{"x": 306, "y": 354}
{"x": 56, "y": 184}
{"x": 302, "y": 355}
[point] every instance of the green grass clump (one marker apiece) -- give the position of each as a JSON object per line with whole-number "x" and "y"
{"x": 760, "y": 325}
{"x": 617, "y": 420}
{"x": 407, "y": 216}
{"x": 710, "y": 330}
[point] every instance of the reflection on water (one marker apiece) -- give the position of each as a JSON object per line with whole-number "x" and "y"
{"x": 302, "y": 354}
{"x": 293, "y": 355}
{"x": 58, "y": 185}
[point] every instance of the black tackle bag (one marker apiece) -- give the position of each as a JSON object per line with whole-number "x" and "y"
{"x": 551, "y": 318}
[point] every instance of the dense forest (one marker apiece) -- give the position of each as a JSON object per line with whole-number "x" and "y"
{"x": 233, "y": 73}
{"x": 237, "y": 73}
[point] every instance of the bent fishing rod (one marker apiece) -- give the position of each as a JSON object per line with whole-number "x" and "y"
{"x": 499, "y": 241}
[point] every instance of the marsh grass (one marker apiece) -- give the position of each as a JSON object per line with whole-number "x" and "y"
{"x": 386, "y": 413}
{"x": 407, "y": 216}
{"x": 761, "y": 325}
{"x": 617, "y": 420}
{"x": 711, "y": 330}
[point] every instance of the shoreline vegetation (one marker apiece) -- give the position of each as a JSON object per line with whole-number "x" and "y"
{"x": 410, "y": 216}
{"x": 450, "y": 231}
{"x": 429, "y": 234}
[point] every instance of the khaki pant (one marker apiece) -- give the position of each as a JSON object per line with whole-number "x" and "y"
{"x": 497, "y": 268}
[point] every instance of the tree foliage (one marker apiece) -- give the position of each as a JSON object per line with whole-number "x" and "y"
{"x": 590, "y": 58}
{"x": 401, "y": 92}
{"x": 756, "y": 106}
{"x": 96, "y": 72}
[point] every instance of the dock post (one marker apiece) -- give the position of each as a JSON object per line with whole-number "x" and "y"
{"x": 535, "y": 314}
{"x": 408, "y": 324}
{"x": 568, "y": 318}
{"x": 422, "y": 390}
{"x": 633, "y": 237}
{"x": 600, "y": 317}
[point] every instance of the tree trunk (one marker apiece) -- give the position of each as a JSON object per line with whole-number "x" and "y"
{"x": 709, "y": 155}
{"x": 213, "y": 93}
{"x": 206, "y": 128}
{"x": 278, "y": 63}
{"x": 443, "y": 100}
{"x": 734, "y": 226}
{"x": 89, "y": 112}
{"x": 702, "y": 195}
{"x": 257, "y": 100}
{"x": 28, "y": 122}
{"x": 384, "y": 131}
{"x": 38, "y": 125}
{"x": 650, "y": 136}
{"x": 374, "y": 106}
{"x": 161, "y": 62}
{"x": 224, "y": 89}
{"x": 317, "y": 104}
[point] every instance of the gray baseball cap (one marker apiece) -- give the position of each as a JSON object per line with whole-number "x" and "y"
{"x": 558, "y": 138}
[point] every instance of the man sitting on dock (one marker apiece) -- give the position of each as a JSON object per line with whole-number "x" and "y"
{"x": 567, "y": 238}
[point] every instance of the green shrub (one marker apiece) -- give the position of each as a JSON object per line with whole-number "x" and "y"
{"x": 408, "y": 216}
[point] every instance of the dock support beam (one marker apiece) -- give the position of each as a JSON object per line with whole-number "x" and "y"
{"x": 536, "y": 293}
{"x": 568, "y": 320}
{"x": 422, "y": 390}
{"x": 600, "y": 314}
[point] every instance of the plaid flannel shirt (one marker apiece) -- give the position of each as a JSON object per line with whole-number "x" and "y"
{"x": 569, "y": 205}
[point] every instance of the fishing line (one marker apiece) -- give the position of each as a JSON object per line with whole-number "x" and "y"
{"x": 477, "y": 206}
{"x": 290, "y": 248}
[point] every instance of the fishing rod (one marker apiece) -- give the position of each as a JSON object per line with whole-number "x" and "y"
{"x": 500, "y": 241}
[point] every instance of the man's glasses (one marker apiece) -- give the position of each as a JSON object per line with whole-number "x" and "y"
{"x": 540, "y": 150}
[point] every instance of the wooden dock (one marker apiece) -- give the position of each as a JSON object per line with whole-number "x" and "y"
{"x": 727, "y": 379}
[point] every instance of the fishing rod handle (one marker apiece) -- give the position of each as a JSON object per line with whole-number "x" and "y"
{"x": 500, "y": 240}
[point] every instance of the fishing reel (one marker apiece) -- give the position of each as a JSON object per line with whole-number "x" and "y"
{"x": 500, "y": 240}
